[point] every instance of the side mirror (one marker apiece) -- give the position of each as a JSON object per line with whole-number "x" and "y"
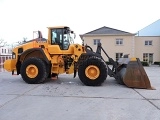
{"x": 74, "y": 34}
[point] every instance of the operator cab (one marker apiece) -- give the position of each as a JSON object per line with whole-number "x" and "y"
{"x": 62, "y": 36}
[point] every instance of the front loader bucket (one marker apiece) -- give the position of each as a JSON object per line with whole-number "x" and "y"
{"x": 135, "y": 76}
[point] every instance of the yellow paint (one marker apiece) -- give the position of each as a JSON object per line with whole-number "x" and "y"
{"x": 61, "y": 70}
{"x": 55, "y": 68}
{"x": 92, "y": 72}
{"x": 133, "y": 59}
{"x": 54, "y": 59}
{"x": 47, "y": 54}
{"x": 55, "y": 49}
{"x": 10, "y": 65}
{"x": 31, "y": 71}
{"x": 78, "y": 50}
{"x": 70, "y": 70}
{"x": 52, "y": 52}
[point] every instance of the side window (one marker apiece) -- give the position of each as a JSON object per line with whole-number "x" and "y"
{"x": 119, "y": 41}
{"x": 96, "y": 41}
{"x": 148, "y": 42}
{"x": 61, "y": 37}
{"x": 56, "y": 36}
{"x": 66, "y": 42}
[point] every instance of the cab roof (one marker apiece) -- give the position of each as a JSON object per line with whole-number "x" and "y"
{"x": 57, "y": 27}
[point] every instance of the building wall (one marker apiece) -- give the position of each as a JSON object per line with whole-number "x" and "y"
{"x": 141, "y": 48}
{"x": 133, "y": 45}
{"x": 109, "y": 44}
{"x": 5, "y": 51}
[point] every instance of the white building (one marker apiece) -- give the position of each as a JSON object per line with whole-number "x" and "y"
{"x": 145, "y": 45}
{"x": 5, "y": 53}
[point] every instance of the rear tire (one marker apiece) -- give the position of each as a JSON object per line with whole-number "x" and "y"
{"x": 93, "y": 71}
{"x": 33, "y": 70}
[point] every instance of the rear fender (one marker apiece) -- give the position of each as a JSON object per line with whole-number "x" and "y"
{"x": 36, "y": 52}
{"x": 10, "y": 65}
{"x": 33, "y": 52}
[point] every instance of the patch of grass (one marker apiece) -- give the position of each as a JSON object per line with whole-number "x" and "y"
{"x": 144, "y": 63}
{"x": 157, "y": 63}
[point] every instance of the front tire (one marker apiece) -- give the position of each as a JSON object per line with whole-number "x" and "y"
{"x": 33, "y": 70}
{"x": 93, "y": 71}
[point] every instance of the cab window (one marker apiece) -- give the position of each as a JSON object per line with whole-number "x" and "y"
{"x": 57, "y": 36}
{"x": 61, "y": 37}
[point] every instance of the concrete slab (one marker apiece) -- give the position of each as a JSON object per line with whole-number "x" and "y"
{"x": 154, "y": 76}
{"x": 13, "y": 85}
{"x": 67, "y": 86}
{"x": 73, "y": 108}
{"x": 4, "y": 99}
{"x": 67, "y": 98}
{"x": 156, "y": 103}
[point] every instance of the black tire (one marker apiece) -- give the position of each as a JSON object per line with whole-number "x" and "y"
{"x": 48, "y": 67}
{"x": 93, "y": 61}
{"x": 42, "y": 71}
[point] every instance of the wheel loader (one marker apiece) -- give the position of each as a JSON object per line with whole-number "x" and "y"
{"x": 40, "y": 58}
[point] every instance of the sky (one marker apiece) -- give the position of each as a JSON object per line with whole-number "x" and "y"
{"x": 19, "y": 18}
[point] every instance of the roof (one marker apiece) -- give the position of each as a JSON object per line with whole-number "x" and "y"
{"x": 58, "y": 27}
{"x": 150, "y": 30}
{"x": 107, "y": 31}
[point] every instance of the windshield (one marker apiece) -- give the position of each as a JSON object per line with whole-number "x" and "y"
{"x": 67, "y": 40}
{"x": 62, "y": 37}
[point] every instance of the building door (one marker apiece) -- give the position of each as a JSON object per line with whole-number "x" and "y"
{"x": 150, "y": 58}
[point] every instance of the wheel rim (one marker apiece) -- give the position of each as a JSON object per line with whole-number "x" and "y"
{"x": 92, "y": 72}
{"x": 32, "y": 71}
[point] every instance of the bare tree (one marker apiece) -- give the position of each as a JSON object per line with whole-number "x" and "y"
{"x": 2, "y": 42}
{"x": 22, "y": 41}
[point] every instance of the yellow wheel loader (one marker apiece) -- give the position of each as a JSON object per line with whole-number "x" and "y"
{"x": 39, "y": 59}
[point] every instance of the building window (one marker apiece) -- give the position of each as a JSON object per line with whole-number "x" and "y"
{"x": 2, "y": 50}
{"x": 119, "y": 41}
{"x": 145, "y": 57}
{"x": 118, "y": 55}
{"x": 148, "y": 42}
{"x": 148, "y": 57}
{"x": 96, "y": 41}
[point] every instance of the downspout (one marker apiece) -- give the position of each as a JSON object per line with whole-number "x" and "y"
{"x": 133, "y": 46}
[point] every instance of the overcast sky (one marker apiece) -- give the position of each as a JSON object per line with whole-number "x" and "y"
{"x": 19, "y": 18}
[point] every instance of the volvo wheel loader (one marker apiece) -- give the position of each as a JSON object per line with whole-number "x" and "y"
{"x": 39, "y": 59}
